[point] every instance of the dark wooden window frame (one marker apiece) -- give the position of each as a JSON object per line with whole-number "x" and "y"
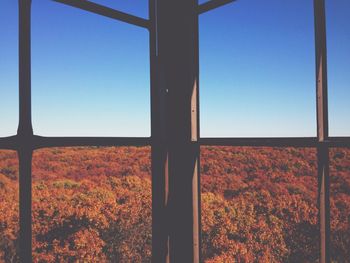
{"x": 175, "y": 140}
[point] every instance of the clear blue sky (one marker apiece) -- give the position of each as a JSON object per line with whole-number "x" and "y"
{"x": 90, "y": 74}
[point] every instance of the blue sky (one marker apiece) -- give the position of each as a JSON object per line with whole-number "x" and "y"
{"x": 90, "y": 74}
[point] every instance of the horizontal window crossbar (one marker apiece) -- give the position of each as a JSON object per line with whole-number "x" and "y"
{"x": 36, "y": 142}
{"x": 43, "y": 142}
{"x": 277, "y": 142}
{"x": 338, "y": 142}
{"x": 8, "y": 143}
{"x": 106, "y": 11}
{"x": 15, "y": 142}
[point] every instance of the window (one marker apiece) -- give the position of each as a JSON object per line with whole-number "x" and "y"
{"x": 257, "y": 67}
{"x": 92, "y": 195}
{"x": 259, "y": 203}
{"x": 339, "y": 203}
{"x": 338, "y": 35}
{"x": 8, "y": 68}
{"x": 97, "y": 68}
{"x": 175, "y": 150}
{"x": 9, "y": 209}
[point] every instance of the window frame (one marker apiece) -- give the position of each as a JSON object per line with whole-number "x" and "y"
{"x": 25, "y": 142}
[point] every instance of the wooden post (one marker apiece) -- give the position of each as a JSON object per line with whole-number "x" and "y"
{"x": 25, "y": 112}
{"x": 25, "y": 134}
{"x": 159, "y": 154}
{"x": 322, "y": 129}
{"x": 175, "y": 130}
{"x": 25, "y": 205}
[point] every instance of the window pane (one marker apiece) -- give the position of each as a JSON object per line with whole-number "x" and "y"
{"x": 90, "y": 74}
{"x": 338, "y": 51}
{"x": 340, "y": 204}
{"x": 9, "y": 216}
{"x": 8, "y": 67}
{"x": 136, "y": 8}
{"x": 92, "y": 204}
{"x": 259, "y": 204}
{"x": 257, "y": 69}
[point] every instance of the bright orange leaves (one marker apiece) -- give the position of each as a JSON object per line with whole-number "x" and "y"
{"x": 259, "y": 204}
{"x": 340, "y": 204}
{"x": 89, "y": 205}
{"x": 94, "y": 205}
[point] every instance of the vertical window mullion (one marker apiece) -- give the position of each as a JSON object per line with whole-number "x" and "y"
{"x": 25, "y": 113}
{"x": 159, "y": 156}
{"x": 25, "y": 204}
{"x": 25, "y": 133}
{"x": 175, "y": 147}
{"x": 322, "y": 129}
{"x": 324, "y": 205}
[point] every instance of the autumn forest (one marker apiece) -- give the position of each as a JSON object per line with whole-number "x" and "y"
{"x": 258, "y": 204}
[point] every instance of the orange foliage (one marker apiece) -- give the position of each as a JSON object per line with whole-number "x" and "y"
{"x": 9, "y": 214}
{"x": 269, "y": 196}
{"x": 340, "y": 204}
{"x": 94, "y": 205}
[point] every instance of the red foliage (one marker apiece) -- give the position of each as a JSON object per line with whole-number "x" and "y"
{"x": 94, "y": 205}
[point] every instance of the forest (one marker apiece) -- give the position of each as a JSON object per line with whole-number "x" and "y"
{"x": 258, "y": 204}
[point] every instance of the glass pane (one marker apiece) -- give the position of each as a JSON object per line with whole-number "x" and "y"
{"x": 90, "y": 74}
{"x": 259, "y": 204}
{"x": 92, "y": 204}
{"x": 136, "y": 8}
{"x": 340, "y": 204}
{"x": 8, "y": 67}
{"x": 9, "y": 206}
{"x": 338, "y": 55}
{"x": 257, "y": 69}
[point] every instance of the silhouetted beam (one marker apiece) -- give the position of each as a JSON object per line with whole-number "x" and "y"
{"x": 43, "y": 142}
{"x": 8, "y": 143}
{"x": 268, "y": 142}
{"x": 25, "y": 133}
{"x": 106, "y": 11}
{"x": 159, "y": 149}
{"x": 212, "y": 5}
{"x": 338, "y": 141}
{"x": 14, "y": 143}
{"x": 175, "y": 155}
{"x": 322, "y": 129}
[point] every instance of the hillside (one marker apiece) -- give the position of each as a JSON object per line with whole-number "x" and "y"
{"x": 94, "y": 204}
